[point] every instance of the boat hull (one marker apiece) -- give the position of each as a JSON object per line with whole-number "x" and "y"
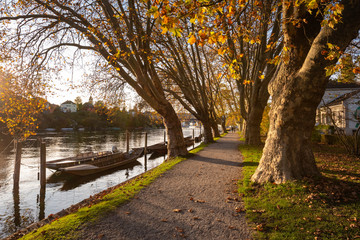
{"x": 96, "y": 167}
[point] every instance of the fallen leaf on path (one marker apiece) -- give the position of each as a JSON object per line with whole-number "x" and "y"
{"x": 259, "y": 210}
{"x": 239, "y": 209}
{"x": 200, "y": 201}
{"x": 260, "y": 227}
{"x": 164, "y": 220}
{"x": 196, "y": 218}
{"x": 128, "y": 213}
{"x": 231, "y": 227}
{"x": 176, "y": 210}
{"x": 190, "y": 210}
{"x": 179, "y": 229}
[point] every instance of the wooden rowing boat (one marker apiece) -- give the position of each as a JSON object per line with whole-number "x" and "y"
{"x": 80, "y": 159}
{"x": 159, "y": 148}
{"x": 104, "y": 164}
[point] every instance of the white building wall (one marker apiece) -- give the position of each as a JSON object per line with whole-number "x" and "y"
{"x": 68, "y": 107}
{"x": 342, "y": 113}
{"x": 351, "y": 105}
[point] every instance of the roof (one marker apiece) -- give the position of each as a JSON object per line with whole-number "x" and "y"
{"x": 335, "y": 84}
{"x": 342, "y": 98}
{"x": 67, "y": 102}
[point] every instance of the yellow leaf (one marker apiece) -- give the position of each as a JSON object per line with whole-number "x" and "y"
{"x": 222, "y": 38}
{"x": 192, "y": 39}
{"x": 221, "y": 51}
{"x": 165, "y": 20}
{"x": 156, "y": 14}
{"x": 164, "y": 30}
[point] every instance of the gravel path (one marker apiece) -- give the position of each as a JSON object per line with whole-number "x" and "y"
{"x": 196, "y": 199}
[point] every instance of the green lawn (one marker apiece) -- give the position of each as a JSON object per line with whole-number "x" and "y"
{"x": 326, "y": 208}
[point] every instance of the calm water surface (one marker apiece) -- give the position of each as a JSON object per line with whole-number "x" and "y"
{"x": 63, "y": 191}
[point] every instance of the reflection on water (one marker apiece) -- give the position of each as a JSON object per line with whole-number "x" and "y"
{"x": 70, "y": 181}
{"x": 30, "y": 203}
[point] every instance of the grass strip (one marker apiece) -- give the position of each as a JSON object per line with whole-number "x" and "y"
{"x": 66, "y": 227}
{"x": 324, "y": 208}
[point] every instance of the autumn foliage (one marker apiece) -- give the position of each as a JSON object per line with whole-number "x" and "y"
{"x": 19, "y": 106}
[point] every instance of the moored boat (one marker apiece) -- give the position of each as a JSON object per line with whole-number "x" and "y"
{"x": 158, "y": 148}
{"x": 81, "y": 159}
{"x": 104, "y": 164}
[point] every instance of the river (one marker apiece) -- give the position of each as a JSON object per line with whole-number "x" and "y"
{"x": 17, "y": 212}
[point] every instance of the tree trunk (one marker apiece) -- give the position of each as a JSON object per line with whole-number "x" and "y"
{"x": 176, "y": 143}
{"x": 223, "y": 126}
{"x": 215, "y": 128}
{"x": 287, "y": 154}
{"x": 252, "y": 134}
{"x": 297, "y": 90}
{"x": 208, "y": 137}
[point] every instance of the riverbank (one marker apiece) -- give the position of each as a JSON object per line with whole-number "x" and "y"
{"x": 197, "y": 199}
{"x": 63, "y": 191}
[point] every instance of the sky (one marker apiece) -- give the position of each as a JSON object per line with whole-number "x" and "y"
{"x": 62, "y": 90}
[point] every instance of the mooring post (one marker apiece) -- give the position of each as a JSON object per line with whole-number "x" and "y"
{"x": 42, "y": 164}
{"x": 42, "y": 179}
{"x": 127, "y": 141}
{"x": 18, "y": 146}
{"x": 145, "y": 147}
{"x": 145, "y": 162}
{"x": 42, "y": 203}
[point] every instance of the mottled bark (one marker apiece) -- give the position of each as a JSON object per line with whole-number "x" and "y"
{"x": 176, "y": 143}
{"x": 208, "y": 136}
{"x": 215, "y": 128}
{"x": 297, "y": 90}
{"x": 287, "y": 153}
{"x": 223, "y": 125}
{"x": 252, "y": 135}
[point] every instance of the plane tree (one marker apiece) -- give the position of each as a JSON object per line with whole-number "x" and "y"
{"x": 253, "y": 42}
{"x": 119, "y": 32}
{"x": 247, "y": 34}
{"x": 315, "y": 34}
{"x": 189, "y": 70}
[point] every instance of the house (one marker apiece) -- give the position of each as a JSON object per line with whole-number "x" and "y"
{"x": 68, "y": 106}
{"x": 338, "y": 107}
{"x": 188, "y": 120}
